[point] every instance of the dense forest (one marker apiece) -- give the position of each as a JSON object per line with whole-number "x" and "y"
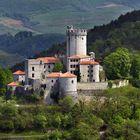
{"x": 115, "y": 114}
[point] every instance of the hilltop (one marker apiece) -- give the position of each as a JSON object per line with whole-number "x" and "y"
{"x": 123, "y": 32}
{"x": 47, "y": 16}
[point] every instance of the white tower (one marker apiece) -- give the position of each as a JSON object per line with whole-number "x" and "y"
{"x": 76, "y": 41}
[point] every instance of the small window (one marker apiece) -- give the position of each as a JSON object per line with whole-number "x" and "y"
{"x": 82, "y": 38}
{"x": 87, "y": 75}
{"x": 52, "y": 81}
{"x": 33, "y": 75}
{"x": 72, "y": 81}
{"x": 33, "y": 69}
{"x": 49, "y": 66}
{"x": 44, "y": 67}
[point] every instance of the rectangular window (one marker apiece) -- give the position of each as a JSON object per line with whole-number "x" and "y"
{"x": 33, "y": 69}
{"x": 33, "y": 75}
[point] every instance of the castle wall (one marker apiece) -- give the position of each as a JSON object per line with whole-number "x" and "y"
{"x": 92, "y": 86}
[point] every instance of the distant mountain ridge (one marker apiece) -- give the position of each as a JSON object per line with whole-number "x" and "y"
{"x": 14, "y": 49}
{"x": 52, "y": 16}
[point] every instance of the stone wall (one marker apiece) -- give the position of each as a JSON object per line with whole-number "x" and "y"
{"x": 120, "y": 83}
{"x": 92, "y": 86}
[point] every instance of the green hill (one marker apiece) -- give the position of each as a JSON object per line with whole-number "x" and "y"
{"x": 47, "y": 16}
{"x": 123, "y": 32}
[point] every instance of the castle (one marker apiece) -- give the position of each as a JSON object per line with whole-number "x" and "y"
{"x": 39, "y": 72}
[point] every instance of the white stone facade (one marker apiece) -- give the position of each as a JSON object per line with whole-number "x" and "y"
{"x": 34, "y": 70}
{"x": 39, "y": 68}
{"x": 89, "y": 73}
{"x": 62, "y": 84}
{"x": 77, "y": 53}
{"x": 76, "y": 41}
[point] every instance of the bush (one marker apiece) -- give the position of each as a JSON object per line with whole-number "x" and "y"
{"x": 6, "y": 125}
{"x": 135, "y": 83}
{"x": 40, "y": 121}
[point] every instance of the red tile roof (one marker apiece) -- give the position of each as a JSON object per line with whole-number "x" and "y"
{"x": 89, "y": 63}
{"x": 62, "y": 75}
{"x": 48, "y": 60}
{"x": 79, "y": 56}
{"x": 67, "y": 75}
{"x": 12, "y": 84}
{"x": 19, "y": 72}
{"x": 54, "y": 75}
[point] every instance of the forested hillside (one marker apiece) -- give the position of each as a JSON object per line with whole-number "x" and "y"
{"x": 123, "y": 32}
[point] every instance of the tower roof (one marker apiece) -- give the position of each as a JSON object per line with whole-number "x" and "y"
{"x": 61, "y": 75}
{"x": 89, "y": 63}
{"x": 67, "y": 75}
{"x": 54, "y": 75}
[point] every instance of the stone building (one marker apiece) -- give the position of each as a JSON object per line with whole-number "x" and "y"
{"x": 78, "y": 62}
{"x": 19, "y": 76}
{"x": 89, "y": 71}
{"x": 37, "y": 69}
{"x": 60, "y": 85}
{"x": 63, "y": 83}
{"x": 76, "y": 41}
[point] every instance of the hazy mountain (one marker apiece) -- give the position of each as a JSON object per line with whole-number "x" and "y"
{"x": 52, "y": 16}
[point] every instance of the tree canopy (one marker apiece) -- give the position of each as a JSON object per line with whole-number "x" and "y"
{"x": 118, "y": 64}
